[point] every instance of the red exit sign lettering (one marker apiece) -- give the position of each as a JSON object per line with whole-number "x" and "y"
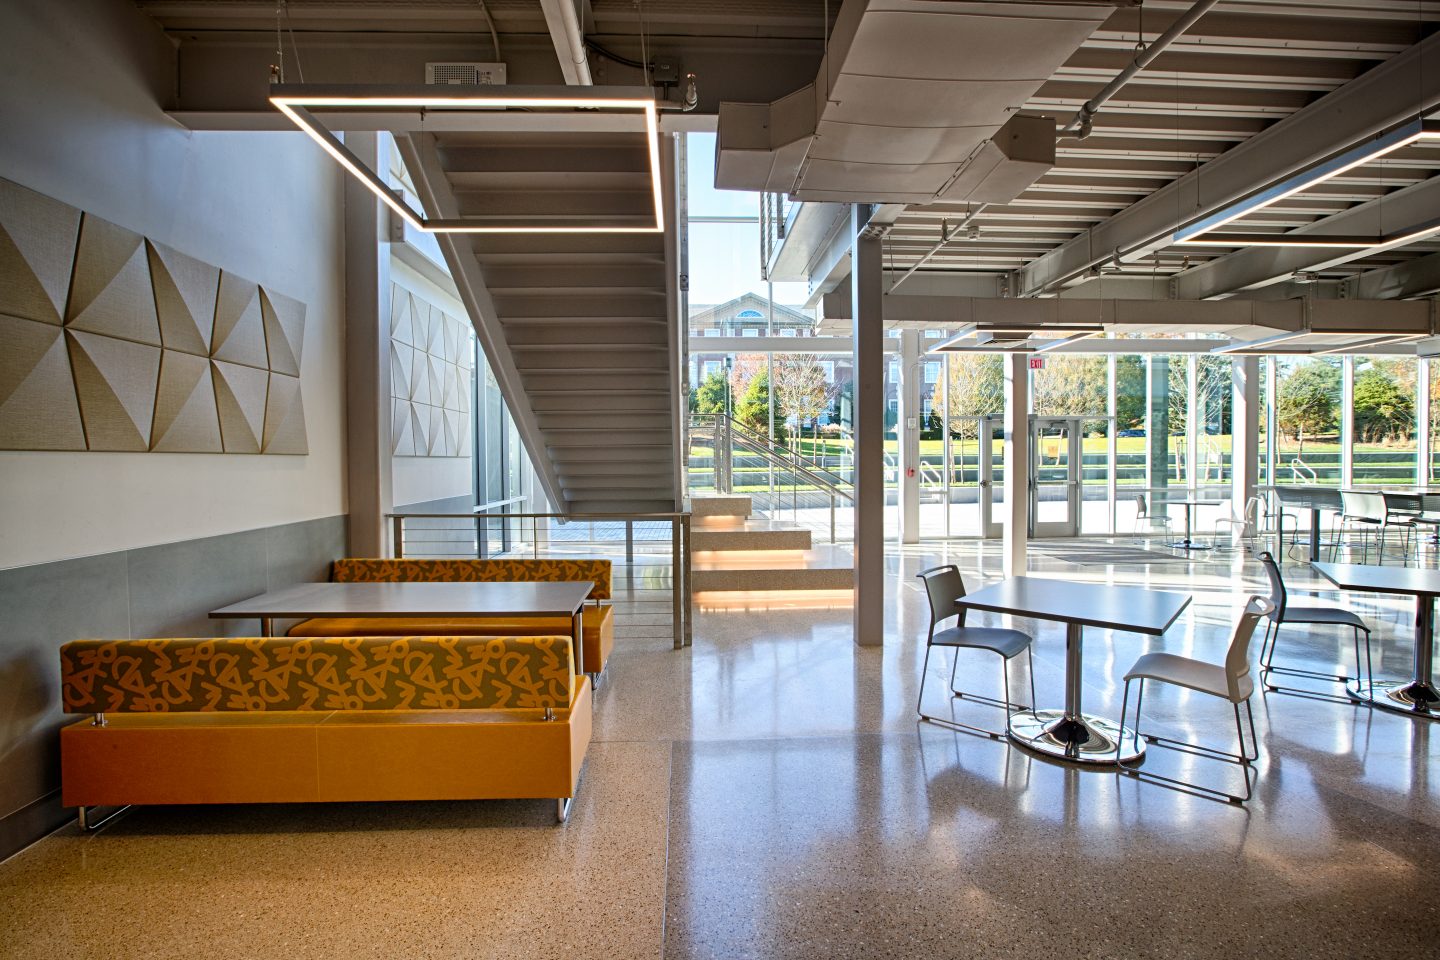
{"x": 1037, "y": 363}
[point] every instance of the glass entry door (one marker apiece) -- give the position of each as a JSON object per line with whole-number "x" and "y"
{"x": 1055, "y": 461}
{"x": 992, "y": 476}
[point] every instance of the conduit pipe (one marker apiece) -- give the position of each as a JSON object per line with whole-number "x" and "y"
{"x": 569, "y": 41}
{"x": 1079, "y": 125}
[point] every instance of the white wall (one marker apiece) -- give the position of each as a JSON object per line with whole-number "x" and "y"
{"x": 423, "y": 479}
{"x": 80, "y": 81}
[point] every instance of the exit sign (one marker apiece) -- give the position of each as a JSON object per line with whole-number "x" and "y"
{"x": 1037, "y": 363}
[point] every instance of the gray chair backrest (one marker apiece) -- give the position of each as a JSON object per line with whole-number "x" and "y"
{"x": 1237, "y": 658}
{"x": 1370, "y": 506}
{"x": 1277, "y": 587}
{"x": 943, "y": 586}
{"x": 1402, "y": 504}
{"x": 1140, "y": 502}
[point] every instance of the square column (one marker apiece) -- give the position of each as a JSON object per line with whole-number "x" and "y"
{"x": 1245, "y": 414}
{"x": 907, "y": 433}
{"x": 869, "y": 392}
{"x": 1017, "y": 465}
{"x": 367, "y": 357}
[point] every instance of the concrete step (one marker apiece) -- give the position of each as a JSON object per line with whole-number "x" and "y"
{"x": 720, "y": 506}
{"x": 820, "y": 568}
{"x": 750, "y": 535}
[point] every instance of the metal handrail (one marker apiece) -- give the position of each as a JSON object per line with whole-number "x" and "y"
{"x": 790, "y": 460}
{"x": 1297, "y": 466}
{"x": 681, "y": 550}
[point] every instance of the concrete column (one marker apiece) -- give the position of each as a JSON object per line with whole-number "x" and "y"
{"x": 907, "y": 431}
{"x": 367, "y": 357}
{"x": 1016, "y": 517}
{"x": 1245, "y": 414}
{"x": 869, "y": 418}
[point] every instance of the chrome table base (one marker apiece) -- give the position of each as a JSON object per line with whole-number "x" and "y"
{"x": 1412, "y": 698}
{"x": 1080, "y": 738}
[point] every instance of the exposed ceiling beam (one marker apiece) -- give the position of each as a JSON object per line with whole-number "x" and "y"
{"x": 565, "y": 23}
{"x": 1401, "y": 212}
{"x": 1415, "y": 278}
{"x": 1393, "y": 92}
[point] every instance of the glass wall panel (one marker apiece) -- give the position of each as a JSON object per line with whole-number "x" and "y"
{"x": 1079, "y": 385}
{"x": 975, "y": 387}
{"x": 1383, "y": 420}
{"x": 1131, "y": 450}
{"x": 1307, "y": 407}
{"x": 1262, "y": 424}
{"x": 1433, "y": 374}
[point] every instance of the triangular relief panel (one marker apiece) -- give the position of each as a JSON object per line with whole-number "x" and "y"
{"x": 37, "y": 250}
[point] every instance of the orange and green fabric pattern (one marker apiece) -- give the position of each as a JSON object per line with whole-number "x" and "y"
{"x": 386, "y": 570}
{"x": 254, "y": 674}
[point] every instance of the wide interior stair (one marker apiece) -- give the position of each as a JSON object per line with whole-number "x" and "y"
{"x": 584, "y": 317}
{"x": 735, "y": 552}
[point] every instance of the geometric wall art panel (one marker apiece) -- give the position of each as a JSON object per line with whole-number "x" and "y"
{"x": 38, "y": 409}
{"x": 186, "y": 420}
{"x": 284, "y": 320}
{"x": 110, "y": 291}
{"x": 240, "y": 399}
{"x": 185, "y": 290}
{"x": 112, "y": 341}
{"x": 284, "y": 416}
{"x": 239, "y": 330}
{"x": 430, "y": 371}
{"x": 115, "y": 381}
{"x": 37, "y": 250}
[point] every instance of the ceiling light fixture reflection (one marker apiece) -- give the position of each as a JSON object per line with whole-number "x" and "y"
{"x": 1201, "y": 232}
{"x": 295, "y": 101}
{"x": 1367, "y": 344}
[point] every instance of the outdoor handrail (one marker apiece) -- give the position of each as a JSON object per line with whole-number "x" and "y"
{"x": 681, "y": 550}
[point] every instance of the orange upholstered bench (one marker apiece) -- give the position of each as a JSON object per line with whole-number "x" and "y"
{"x": 280, "y": 720}
{"x": 598, "y": 617}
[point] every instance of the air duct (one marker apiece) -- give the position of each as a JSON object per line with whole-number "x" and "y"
{"x": 909, "y": 104}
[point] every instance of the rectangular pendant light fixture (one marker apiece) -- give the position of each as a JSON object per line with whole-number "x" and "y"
{"x": 297, "y": 101}
{"x": 1202, "y": 232}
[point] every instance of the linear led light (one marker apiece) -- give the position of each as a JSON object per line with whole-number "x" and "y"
{"x": 1412, "y": 132}
{"x": 1366, "y": 344}
{"x": 1262, "y": 345}
{"x": 295, "y": 102}
{"x": 1053, "y": 344}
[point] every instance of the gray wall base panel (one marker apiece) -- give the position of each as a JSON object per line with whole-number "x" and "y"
{"x": 159, "y": 591}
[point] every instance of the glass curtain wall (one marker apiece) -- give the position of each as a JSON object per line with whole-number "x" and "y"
{"x": 1383, "y": 422}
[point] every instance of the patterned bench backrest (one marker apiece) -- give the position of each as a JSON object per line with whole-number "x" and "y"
{"x": 320, "y": 674}
{"x": 386, "y": 570}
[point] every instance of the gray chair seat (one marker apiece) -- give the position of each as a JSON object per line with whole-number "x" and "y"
{"x": 1330, "y": 615}
{"x": 1184, "y": 672}
{"x": 1007, "y": 643}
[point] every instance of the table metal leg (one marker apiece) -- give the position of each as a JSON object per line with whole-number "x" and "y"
{"x": 267, "y": 626}
{"x": 1314, "y": 535}
{"x": 577, "y": 640}
{"x": 1188, "y": 543}
{"x": 1071, "y": 734}
{"x": 1416, "y": 697}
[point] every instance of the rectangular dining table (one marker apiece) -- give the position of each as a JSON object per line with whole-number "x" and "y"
{"x": 1417, "y": 696}
{"x": 1070, "y": 733}
{"x": 427, "y": 600}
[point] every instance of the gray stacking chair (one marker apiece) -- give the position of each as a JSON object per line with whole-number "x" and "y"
{"x": 1231, "y": 681}
{"x": 1282, "y": 612}
{"x": 943, "y": 586}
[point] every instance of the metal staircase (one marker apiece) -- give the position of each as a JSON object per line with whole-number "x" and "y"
{"x": 581, "y": 329}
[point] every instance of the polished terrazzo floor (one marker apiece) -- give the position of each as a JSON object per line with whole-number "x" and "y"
{"x": 768, "y": 793}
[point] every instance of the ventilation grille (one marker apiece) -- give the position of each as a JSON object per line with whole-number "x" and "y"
{"x": 466, "y": 74}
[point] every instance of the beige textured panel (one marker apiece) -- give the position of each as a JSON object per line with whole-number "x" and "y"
{"x": 419, "y": 324}
{"x": 401, "y": 315}
{"x": 402, "y": 438}
{"x": 110, "y": 292}
{"x": 401, "y": 357}
{"x": 115, "y": 381}
{"x": 285, "y": 417}
{"x": 284, "y": 331}
{"x": 463, "y": 394}
{"x": 449, "y": 331}
{"x": 420, "y": 378}
{"x": 38, "y": 410}
{"x": 419, "y": 427}
{"x": 435, "y": 370}
{"x": 436, "y": 329}
{"x": 464, "y": 449}
{"x": 186, "y": 420}
{"x": 185, "y": 291}
{"x": 239, "y": 330}
{"x": 452, "y": 433}
{"x": 466, "y": 358}
{"x": 37, "y": 250}
{"x": 436, "y": 431}
{"x": 240, "y": 400}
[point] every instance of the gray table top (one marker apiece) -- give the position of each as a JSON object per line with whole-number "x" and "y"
{"x": 1189, "y": 503}
{"x": 1091, "y": 604}
{"x": 414, "y": 600}
{"x": 1374, "y": 579}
